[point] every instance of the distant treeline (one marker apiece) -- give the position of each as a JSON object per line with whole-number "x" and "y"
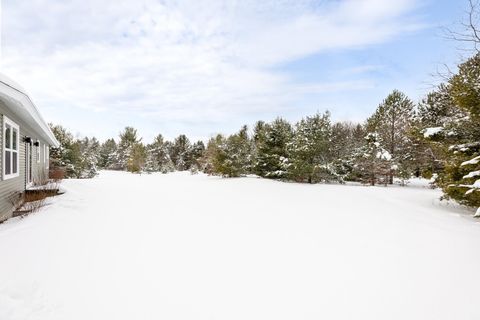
{"x": 438, "y": 137}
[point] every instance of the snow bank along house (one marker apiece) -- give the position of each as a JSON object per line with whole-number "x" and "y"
{"x": 25, "y": 143}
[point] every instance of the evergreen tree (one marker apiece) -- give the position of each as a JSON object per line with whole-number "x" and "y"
{"x": 214, "y": 156}
{"x": 461, "y": 178}
{"x": 373, "y": 161}
{"x": 59, "y": 156}
{"x": 271, "y": 148}
{"x": 346, "y": 137}
{"x": 258, "y": 139}
{"x": 311, "y": 159}
{"x": 236, "y": 153}
{"x": 241, "y": 146}
{"x": 196, "y": 153}
{"x": 180, "y": 153}
{"x": 392, "y": 121}
{"x": 86, "y": 166}
{"x": 107, "y": 154}
{"x": 157, "y": 156}
{"x": 228, "y": 157}
{"x": 429, "y": 131}
{"x": 128, "y": 141}
{"x": 438, "y": 108}
{"x": 259, "y": 130}
{"x": 78, "y": 157}
{"x": 68, "y": 154}
{"x": 137, "y": 158}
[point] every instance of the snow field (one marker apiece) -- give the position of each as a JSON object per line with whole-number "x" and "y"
{"x": 178, "y": 246}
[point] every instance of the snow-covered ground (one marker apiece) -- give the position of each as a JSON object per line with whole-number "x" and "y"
{"x": 178, "y": 246}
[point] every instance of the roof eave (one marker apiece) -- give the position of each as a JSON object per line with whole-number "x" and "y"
{"x": 24, "y": 100}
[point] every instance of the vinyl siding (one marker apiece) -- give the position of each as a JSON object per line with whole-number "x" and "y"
{"x": 11, "y": 187}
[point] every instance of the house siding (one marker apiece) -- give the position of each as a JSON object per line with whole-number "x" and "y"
{"x": 10, "y": 189}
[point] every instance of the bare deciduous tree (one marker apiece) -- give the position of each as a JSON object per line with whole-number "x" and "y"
{"x": 469, "y": 31}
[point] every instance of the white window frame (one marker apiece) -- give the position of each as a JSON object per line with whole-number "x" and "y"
{"x": 38, "y": 151}
{"x": 13, "y": 125}
{"x": 46, "y": 156}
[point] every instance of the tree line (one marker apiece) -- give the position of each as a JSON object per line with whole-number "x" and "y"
{"x": 436, "y": 138}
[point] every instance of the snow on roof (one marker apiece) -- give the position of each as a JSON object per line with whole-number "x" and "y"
{"x": 9, "y": 82}
{"x": 19, "y": 102}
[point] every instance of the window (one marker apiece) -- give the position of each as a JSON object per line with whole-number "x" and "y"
{"x": 46, "y": 156}
{"x": 11, "y": 145}
{"x": 38, "y": 151}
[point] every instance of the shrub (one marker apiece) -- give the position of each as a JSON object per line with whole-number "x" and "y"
{"x": 32, "y": 200}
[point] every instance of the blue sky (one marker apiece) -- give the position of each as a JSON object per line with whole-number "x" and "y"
{"x": 208, "y": 66}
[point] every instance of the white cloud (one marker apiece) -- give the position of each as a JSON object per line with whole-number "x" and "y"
{"x": 189, "y": 61}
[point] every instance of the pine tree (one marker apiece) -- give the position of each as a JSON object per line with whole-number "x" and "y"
{"x": 86, "y": 164}
{"x": 79, "y": 157}
{"x": 180, "y": 153}
{"x": 258, "y": 140}
{"x": 157, "y": 156}
{"x": 137, "y": 158}
{"x": 392, "y": 121}
{"x": 241, "y": 150}
{"x": 373, "y": 161}
{"x": 271, "y": 148}
{"x": 236, "y": 153}
{"x": 228, "y": 157}
{"x": 259, "y": 130}
{"x": 128, "y": 140}
{"x": 346, "y": 137}
{"x": 213, "y": 158}
{"x": 438, "y": 108}
{"x": 196, "y": 153}
{"x": 58, "y": 155}
{"x": 461, "y": 178}
{"x": 311, "y": 159}
{"x": 430, "y": 129}
{"x": 107, "y": 154}
{"x": 68, "y": 155}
